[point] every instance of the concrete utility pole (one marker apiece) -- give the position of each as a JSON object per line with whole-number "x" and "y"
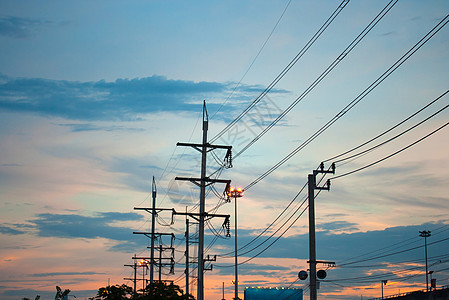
{"x": 153, "y": 218}
{"x": 425, "y": 234}
{"x": 187, "y": 257}
{"x": 382, "y": 283}
{"x": 202, "y": 183}
{"x": 134, "y": 280}
{"x": 312, "y": 246}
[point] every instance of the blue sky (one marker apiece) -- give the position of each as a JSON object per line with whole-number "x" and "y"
{"x": 94, "y": 97}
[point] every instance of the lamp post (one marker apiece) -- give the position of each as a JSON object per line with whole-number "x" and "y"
{"x": 235, "y": 193}
{"x": 144, "y": 264}
{"x": 425, "y": 234}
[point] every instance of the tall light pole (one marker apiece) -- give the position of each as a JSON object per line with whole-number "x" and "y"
{"x": 425, "y": 234}
{"x": 235, "y": 193}
{"x": 144, "y": 264}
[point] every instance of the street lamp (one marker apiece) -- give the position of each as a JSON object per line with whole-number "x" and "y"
{"x": 143, "y": 263}
{"x": 425, "y": 234}
{"x": 235, "y": 193}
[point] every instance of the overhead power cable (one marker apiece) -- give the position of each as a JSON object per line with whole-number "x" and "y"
{"x": 285, "y": 70}
{"x": 267, "y": 228}
{"x": 393, "y": 253}
{"x": 391, "y": 155}
{"x": 266, "y": 248}
{"x": 386, "y": 131}
{"x": 355, "y": 101}
{"x": 255, "y": 58}
{"x": 326, "y": 72}
{"x": 392, "y": 138}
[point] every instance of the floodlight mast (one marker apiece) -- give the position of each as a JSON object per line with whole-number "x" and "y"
{"x": 235, "y": 193}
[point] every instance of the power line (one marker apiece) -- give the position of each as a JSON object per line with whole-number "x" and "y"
{"x": 391, "y": 155}
{"x": 394, "y": 253}
{"x": 326, "y": 72}
{"x": 393, "y": 138}
{"x": 285, "y": 70}
{"x": 355, "y": 101}
{"x": 255, "y": 58}
{"x": 386, "y": 131}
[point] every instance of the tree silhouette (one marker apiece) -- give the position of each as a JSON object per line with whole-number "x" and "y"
{"x": 60, "y": 294}
{"x": 114, "y": 292}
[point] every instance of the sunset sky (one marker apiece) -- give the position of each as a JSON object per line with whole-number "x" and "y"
{"x": 94, "y": 96}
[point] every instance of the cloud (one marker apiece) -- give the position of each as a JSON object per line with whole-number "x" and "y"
{"x": 92, "y": 127}
{"x": 77, "y": 226}
{"x": 338, "y": 226}
{"x": 344, "y": 246}
{"x": 20, "y": 28}
{"x": 4, "y": 229}
{"x": 64, "y": 274}
{"x": 123, "y": 99}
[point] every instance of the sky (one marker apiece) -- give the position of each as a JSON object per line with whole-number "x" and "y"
{"x": 95, "y": 95}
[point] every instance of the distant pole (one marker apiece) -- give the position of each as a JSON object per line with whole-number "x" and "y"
{"x": 143, "y": 279}
{"x": 382, "y": 283}
{"x": 236, "y": 296}
{"x": 160, "y": 263}
{"x": 425, "y": 234}
{"x": 223, "y": 298}
{"x": 153, "y": 217}
{"x": 312, "y": 246}
{"x": 187, "y": 256}
{"x": 135, "y": 278}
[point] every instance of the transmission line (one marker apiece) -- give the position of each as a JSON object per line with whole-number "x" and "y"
{"x": 285, "y": 70}
{"x": 326, "y": 72}
{"x": 359, "y": 98}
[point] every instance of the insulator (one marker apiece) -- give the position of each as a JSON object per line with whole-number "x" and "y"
{"x": 227, "y": 225}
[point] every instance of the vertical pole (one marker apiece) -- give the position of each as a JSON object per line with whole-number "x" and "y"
{"x": 187, "y": 257}
{"x": 200, "y": 288}
{"x": 312, "y": 246}
{"x": 223, "y": 298}
{"x": 382, "y": 286}
{"x": 153, "y": 217}
{"x": 135, "y": 277}
{"x": 236, "y": 291}
{"x": 143, "y": 279}
{"x": 160, "y": 264}
{"x": 427, "y": 272}
{"x": 425, "y": 234}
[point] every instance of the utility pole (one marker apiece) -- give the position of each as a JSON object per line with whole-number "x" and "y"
{"x": 202, "y": 183}
{"x": 160, "y": 263}
{"x": 425, "y": 234}
{"x": 312, "y": 245}
{"x": 153, "y": 217}
{"x": 382, "y": 283}
{"x": 134, "y": 266}
{"x": 187, "y": 256}
{"x": 223, "y": 291}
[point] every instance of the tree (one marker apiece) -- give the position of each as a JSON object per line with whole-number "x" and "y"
{"x": 115, "y": 292}
{"x": 60, "y": 294}
{"x": 162, "y": 291}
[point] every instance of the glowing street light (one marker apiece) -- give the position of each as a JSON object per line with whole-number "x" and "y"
{"x": 143, "y": 263}
{"x": 235, "y": 193}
